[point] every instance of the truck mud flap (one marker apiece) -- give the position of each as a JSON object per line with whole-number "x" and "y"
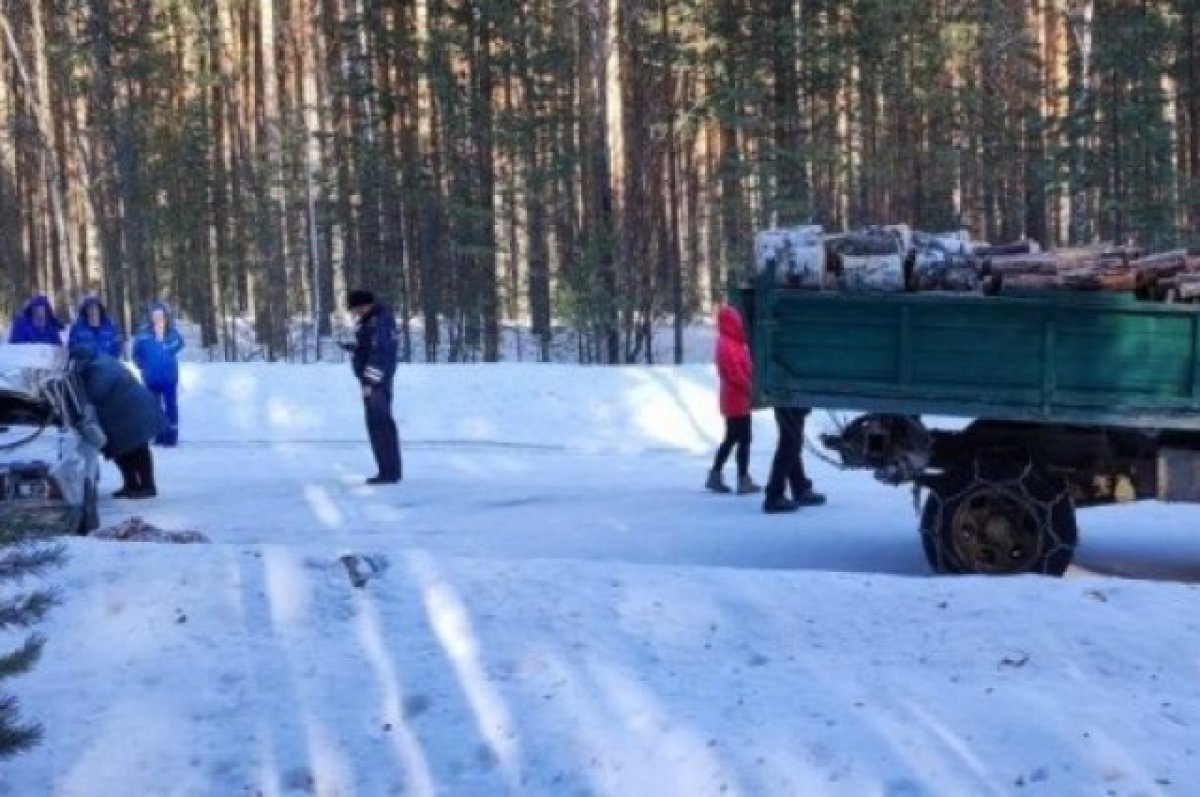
{"x": 1179, "y": 475}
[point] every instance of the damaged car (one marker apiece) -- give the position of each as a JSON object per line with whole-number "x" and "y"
{"x": 49, "y": 444}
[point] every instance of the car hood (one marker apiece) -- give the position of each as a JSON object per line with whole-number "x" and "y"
{"x": 26, "y": 367}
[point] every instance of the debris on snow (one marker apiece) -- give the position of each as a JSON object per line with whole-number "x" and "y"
{"x": 362, "y": 569}
{"x": 135, "y": 529}
{"x": 416, "y": 705}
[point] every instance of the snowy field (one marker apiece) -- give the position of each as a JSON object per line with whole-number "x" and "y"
{"x": 561, "y": 610}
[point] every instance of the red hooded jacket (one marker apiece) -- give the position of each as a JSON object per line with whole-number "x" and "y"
{"x": 734, "y": 366}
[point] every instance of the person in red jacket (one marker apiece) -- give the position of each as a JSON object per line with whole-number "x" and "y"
{"x": 736, "y": 372}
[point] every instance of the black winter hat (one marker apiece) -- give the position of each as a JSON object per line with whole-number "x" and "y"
{"x": 359, "y": 298}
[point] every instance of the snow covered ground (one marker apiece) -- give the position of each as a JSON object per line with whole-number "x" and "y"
{"x": 561, "y": 610}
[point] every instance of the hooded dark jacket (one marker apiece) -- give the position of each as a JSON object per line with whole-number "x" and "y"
{"x": 103, "y": 338}
{"x": 127, "y": 412}
{"x": 24, "y": 330}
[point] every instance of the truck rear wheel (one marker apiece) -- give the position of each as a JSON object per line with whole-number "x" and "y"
{"x": 998, "y": 518}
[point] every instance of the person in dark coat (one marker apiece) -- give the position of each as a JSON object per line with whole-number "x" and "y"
{"x": 787, "y": 468}
{"x": 94, "y": 330}
{"x": 127, "y": 413}
{"x": 155, "y": 353}
{"x": 36, "y": 324}
{"x": 374, "y": 364}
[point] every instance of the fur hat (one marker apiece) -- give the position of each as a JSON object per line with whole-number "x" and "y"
{"x": 359, "y": 298}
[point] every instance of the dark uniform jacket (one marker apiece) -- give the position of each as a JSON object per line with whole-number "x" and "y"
{"x": 375, "y": 347}
{"x": 129, "y": 415}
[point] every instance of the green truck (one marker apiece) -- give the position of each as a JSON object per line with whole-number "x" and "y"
{"x": 1069, "y": 400}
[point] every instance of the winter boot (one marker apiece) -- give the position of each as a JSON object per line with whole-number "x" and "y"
{"x": 774, "y": 505}
{"x": 746, "y": 486}
{"x": 809, "y": 498}
{"x": 716, "y": 483}
{"x": 803, "y": 494}
{"x": 142, "y": 465}
{"x": 129, "y": 476}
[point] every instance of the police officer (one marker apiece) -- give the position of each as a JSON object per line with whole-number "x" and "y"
{"x": 374, "y": 363}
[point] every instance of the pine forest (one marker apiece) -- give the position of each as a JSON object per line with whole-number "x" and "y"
{"x": 597, "y": 165}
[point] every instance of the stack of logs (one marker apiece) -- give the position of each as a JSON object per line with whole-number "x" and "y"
{"x": 1168, "y": 276}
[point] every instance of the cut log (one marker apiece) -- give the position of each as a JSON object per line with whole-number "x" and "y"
{"x": 1161, "y": 266}
{"x": 1119, "y": 281}
{"x": 1181, "y": 288}
{"x": 1001, "y": 250}
{"x": 1152, "y": 270}
{"x": 870, "y": 242}
{"x": 1114, "y": 280}
{"x": 1043, "y": 264}
{"x": 1072, "y": 255}
{"x": 1103, "y": 263}
{"x": 1029, "y": 282}
{"x": 935, "y": 269}
{"x": 1172, "y": 257}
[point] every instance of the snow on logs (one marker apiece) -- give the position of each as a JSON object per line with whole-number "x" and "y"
{"x": 895, "y": 258}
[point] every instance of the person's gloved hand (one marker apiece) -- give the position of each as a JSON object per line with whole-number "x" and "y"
{"x": 346, "y": 346}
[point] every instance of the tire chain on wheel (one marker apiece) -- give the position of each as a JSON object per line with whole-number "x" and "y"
{"x": 1017, "y": 486}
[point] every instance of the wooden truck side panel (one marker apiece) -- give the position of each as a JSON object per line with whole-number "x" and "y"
{"x": 1061, "y": 358}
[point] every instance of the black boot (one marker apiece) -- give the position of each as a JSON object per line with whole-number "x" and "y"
{"x": 746, "y": 486}
{"x": 777, "y": 504}
{"x": 143, "y": 463}
{"x": 129, "y": 481}
{"x": 809, "y": 498}
{"x": 715, "y": 482}
{"x": 803, "y": 493}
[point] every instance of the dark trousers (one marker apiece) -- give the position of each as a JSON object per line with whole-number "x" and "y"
{"x": 137, "y": 468}
{"x": 168, "y": 399}
{"x": 787, "y": 468}
{"x": 737, "y": 433}
{"x": 381, "y": 428}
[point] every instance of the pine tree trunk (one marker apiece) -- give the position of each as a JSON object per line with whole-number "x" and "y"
{"x": 1080, "y": 15}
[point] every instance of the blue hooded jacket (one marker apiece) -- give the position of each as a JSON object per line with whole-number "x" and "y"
{"x": 97, "y": 339}
{"x": 24, "y": 331}
{"x": 155, "y": 358}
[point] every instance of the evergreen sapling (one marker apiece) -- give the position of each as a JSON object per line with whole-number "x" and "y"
{"x": 22, "y": 556}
